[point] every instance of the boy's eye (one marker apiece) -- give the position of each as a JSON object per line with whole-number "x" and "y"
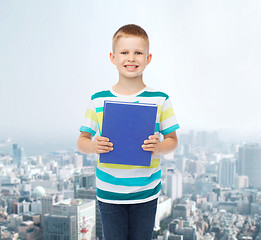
{"x": 124, "y": 53}
{"x": 138, "y": 53}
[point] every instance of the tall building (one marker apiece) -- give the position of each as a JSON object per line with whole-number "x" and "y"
{"x": 181, "y": 163}
{"x": 226, "y": 172}
{"x": 173, "y": 184}
{"x": 84, "y": 211}
{"x": 186, "y": 150}
{"x": 60, "y": 227}
{"x": 249, "y": 163}
{"x": 195, "y": 167}
{"x": 241, "y": 182}
{"x": 78, "y": 160}
{"x": 17, "y": 155}
{"x": 84, "y": 180}
{"x": 90, "y": 194}
{"x": 164, "y": 210}
{"x": 48, "y": 201}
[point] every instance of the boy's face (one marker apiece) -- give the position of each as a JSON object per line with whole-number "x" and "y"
{"x": 131, "y": 56}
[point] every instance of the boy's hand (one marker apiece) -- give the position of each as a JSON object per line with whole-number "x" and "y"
{"x": 102, "y": 145}
{"x": 152, "y": 144}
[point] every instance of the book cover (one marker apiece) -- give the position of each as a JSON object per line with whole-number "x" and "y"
{"x": 127, "y": 125}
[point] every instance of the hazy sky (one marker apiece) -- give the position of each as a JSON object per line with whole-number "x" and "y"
{"x": 54, "y": 54}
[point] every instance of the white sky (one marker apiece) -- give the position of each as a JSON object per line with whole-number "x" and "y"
{"x": 55, "y": 54}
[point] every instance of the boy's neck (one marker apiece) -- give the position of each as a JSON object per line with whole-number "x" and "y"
{"x": 128, "y": 86}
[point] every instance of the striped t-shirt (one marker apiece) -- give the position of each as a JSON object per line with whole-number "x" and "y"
{"x": 127, "y": 184}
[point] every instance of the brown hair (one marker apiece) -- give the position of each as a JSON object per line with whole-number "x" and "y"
{"x": 128, "y": 31}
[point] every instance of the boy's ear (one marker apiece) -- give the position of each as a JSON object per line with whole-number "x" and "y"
{"x": 149, "y": 58}
{"x": 112, "y": 58}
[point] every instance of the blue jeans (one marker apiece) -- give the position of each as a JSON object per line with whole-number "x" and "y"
{"x": 128, "y": 221}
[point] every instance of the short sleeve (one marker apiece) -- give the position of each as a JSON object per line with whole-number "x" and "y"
{"x": 168, "y": 122}
{"x": 90, "y": 123}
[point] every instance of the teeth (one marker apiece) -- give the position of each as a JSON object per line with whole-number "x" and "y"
{"x": 131, "y": 66}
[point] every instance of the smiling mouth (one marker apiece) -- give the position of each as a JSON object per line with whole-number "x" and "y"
{"x": 131, "y": 66}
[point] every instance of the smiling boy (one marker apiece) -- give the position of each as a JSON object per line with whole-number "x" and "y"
{"x": 127, "y": 194}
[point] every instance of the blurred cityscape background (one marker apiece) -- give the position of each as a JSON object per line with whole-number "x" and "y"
{"x": 211, "y": 189}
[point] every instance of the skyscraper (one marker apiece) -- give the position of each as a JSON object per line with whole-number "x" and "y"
{"x": 173, "y": 184}
{"x": 48, "y": 201}
{"x": 181, "y": 163}
{"x": 226, "y": 172}
{"x": 17, "y": 155}
{"x": 90, "y": 194}
{"x": 84, "y": 211}
{"x": 249, "y": 163}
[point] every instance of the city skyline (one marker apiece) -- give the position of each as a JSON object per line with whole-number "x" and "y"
{"x": 210, "y": 190}
{"x": 54, "y": 55}
{"x": 44, "y": 146}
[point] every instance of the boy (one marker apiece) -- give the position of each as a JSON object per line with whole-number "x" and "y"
{"x": 127, "y": 195}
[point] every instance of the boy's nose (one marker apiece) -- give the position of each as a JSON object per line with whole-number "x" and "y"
{"x": 131, "y": 57}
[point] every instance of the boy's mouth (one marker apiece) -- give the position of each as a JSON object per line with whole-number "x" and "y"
{"x": 131, "y": 67}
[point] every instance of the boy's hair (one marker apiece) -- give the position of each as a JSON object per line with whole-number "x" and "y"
{"x": 129, "y": 30}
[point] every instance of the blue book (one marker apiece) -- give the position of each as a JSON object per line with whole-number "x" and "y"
{"x": 127, "y": 125}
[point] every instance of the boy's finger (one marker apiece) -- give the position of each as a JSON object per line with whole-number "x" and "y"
{"x": 105, "y": 148}
{"x": 148, "y": 146}
{"x": 105, "y": 143}
{"x": 150, "y": 141}
{"x": 100, "y": 138}
{"x": 148, "y": 149}
{"x": 103, "y": 151}
{"x": 155, "y": 136}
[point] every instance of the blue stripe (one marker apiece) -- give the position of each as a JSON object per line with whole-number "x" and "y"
{"x": 170, "y": 129}
{"x": 130, "y": 182}
{"x": 128, "y": 196}
{"x": 87, "y": 129}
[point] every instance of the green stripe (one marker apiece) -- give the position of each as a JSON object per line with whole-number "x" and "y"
{"x": 99, "y": 109}
{"x": 153, "y": 94}
{"x": 128, "y": 196}
{"x": 157, "y": 127}
{"x": 102, "y": 94}
{"x": 169, "y": 130}
{"x": 87, "y": 129}
{"x": 130, "y": 182}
